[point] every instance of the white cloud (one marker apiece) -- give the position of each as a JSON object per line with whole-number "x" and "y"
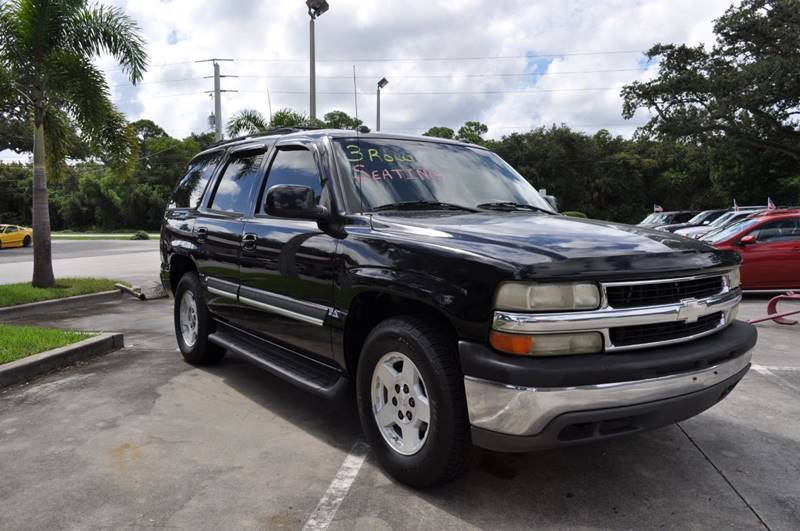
{"x": 182, "y": 31}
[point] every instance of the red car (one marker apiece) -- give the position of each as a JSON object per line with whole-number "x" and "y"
{"x": 769, "y": 244}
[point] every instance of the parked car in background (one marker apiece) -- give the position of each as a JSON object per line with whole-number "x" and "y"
{"x": 15, "y": 236}
{"x": 701, "y": 219}
{"x": 769, "y": 244}
{"x": 722, "y": 221}
{"x": 665, "y": 218}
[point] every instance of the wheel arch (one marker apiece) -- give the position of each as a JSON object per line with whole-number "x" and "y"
{"x": 371, "y": 303}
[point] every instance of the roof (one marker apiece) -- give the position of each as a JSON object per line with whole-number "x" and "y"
{"x": 301, "y": 132}
{"x": 775, "y": 212}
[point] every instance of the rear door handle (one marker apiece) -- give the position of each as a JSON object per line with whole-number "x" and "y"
{"x": 249, "y": 241}
{"x": 202, "y": 232}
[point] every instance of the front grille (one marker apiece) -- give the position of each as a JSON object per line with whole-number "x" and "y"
{"x": 651, "y": 333}
{"x": 655, "y": 294}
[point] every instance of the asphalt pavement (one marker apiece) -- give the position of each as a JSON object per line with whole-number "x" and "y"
{"x": 134, "y": 261}
{"x": 139, "y": 438}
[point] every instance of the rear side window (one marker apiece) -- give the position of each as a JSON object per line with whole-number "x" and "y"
{"x": 295, "y": 166}
{"x": 779, "y": 230}
{"x": 190, "y": 189}
{"x": 236, "y": 184}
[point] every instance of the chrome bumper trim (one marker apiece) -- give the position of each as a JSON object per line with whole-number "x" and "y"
{"x": 602, "y": 320}
{"x": 517, "y": 410}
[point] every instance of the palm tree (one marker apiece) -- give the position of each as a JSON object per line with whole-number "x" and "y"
{"x": 47, "y": 77}
{"x": 252, "y": 122}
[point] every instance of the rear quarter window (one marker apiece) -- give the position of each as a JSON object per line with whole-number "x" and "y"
{"x": 190, "y": 188}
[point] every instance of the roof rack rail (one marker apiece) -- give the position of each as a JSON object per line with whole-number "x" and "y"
{"x": 267, "y": 132}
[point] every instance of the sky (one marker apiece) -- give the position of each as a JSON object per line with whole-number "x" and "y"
{"x": 511, "y": 64}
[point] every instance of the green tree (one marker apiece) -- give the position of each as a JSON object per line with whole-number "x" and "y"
{"x": 252, "y": 122}
{"x": 48, "y": 77}
{"x": 341, "y": 120}
{"x": 745, "y": 88}
{"x": 472, "y": 132}
{"x": 440, "y": 132}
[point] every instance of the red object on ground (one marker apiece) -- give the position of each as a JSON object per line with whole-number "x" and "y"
{"x": 769, "y": 244}
{"x": 772, "y": 310}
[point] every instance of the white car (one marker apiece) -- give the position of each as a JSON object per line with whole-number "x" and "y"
{"x": 725, "y": 219}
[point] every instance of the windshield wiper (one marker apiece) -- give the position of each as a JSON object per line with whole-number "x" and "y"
{"x": 509, "y": 206}
{"x": 422, "y": 205}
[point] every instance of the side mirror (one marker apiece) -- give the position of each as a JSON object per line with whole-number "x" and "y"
{"x": 293, "y": 201}
{"x": 747, "y": 240}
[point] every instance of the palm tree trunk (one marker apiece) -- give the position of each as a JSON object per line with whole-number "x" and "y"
{"x": 42, "y": 255}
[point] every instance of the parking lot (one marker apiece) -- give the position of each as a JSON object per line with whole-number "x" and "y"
{"x": 138, "y": 438}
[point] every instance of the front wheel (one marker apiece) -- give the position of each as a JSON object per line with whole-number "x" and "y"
{"x": 411, "y": 402}
{"x": 193, "y": 323}
{"x": 26, "y": 242}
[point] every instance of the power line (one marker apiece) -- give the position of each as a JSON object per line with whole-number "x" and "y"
{"x": 445, "y": 76}
{"x": 452, "y": 92}
{"x": 462, "y": 58}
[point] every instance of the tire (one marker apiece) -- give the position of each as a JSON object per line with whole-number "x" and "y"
{"x": 26, "y": 242}
{"x": 195, "y": 347}
{"x": 444, "y": 443}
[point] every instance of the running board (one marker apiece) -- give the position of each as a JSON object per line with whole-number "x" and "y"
{"x": 296, "y": 369}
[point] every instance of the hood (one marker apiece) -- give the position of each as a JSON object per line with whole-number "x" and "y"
{"x": 530, "y": 239}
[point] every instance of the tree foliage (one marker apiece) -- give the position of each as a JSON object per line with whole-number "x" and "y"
{"x": 745, "y": 88}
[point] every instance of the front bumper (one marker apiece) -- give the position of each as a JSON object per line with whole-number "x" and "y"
{"x": 508, "y": 414}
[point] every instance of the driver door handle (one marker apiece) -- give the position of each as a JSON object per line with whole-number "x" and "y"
{"x": 249, "y": 241}
{"x": 202, "y": 232}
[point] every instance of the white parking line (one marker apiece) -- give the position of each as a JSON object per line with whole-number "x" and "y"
{"x": 326, "y": 509}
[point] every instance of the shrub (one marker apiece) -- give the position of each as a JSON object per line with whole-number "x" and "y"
{"x": 574, "y": 214}
{"x": 140, "y": 235}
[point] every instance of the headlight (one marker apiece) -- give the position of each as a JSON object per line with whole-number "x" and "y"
{"x": 526, "y": 297}
{"x": 733, "y": 278}
{"x": 547, "y": 344}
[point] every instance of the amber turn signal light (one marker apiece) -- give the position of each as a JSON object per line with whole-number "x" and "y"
{"x": 511, "y": 343}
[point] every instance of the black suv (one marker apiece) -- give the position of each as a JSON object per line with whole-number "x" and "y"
{"x": 435, "y": 279}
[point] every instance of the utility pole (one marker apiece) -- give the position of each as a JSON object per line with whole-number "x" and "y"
{"x": 217, "y": 95}
{"x": 315, "y": 9}
{"x": 382, "y": 83}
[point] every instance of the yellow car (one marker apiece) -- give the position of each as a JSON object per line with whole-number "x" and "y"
{"x": 15, "y": 236}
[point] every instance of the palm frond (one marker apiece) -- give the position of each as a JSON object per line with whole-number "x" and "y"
{"x": 97, "y": 29}
{"x": 248, "y": 121}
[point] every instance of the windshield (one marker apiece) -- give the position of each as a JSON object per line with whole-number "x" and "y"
{"x": 721, "y": 235}
{"x": 705, "y": 215}
{"x": 390, "y": 172}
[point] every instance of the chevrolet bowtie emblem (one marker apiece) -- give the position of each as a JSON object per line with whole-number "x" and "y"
{"x": 691, "y": 310}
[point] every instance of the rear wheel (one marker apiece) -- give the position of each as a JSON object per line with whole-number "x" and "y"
{"x": 411, "y": 402}
{"x": 193, "y": 323}
{"x": 26, "y": 242}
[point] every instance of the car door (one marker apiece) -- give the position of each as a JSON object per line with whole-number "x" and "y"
{"x": 13, "y": 236}
{"x": 773, "y": 260}
{"x": 286, "y": 268}
{"x": 218, "y": 229}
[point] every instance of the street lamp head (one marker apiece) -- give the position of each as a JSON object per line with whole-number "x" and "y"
{"x": 383, "y": 82}
{"x": 317, "y": 7}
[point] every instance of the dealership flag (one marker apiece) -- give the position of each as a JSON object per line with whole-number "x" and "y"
{"x": 657, "y": 208}
{"x": 770, "y": 204}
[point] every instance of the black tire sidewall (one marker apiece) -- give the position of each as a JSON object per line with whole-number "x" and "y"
{"x": 425, "y": 467}
{"x": 202, "y": 352}
{"x": 26, "y": 241}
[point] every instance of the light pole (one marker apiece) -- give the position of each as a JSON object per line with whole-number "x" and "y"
{"x": 382, "y": 83}
{"x": 315, "y": 9}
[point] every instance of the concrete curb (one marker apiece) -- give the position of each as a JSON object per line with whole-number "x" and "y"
{"x": 27, "y": 368}
{"x": 67, "y": 303}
